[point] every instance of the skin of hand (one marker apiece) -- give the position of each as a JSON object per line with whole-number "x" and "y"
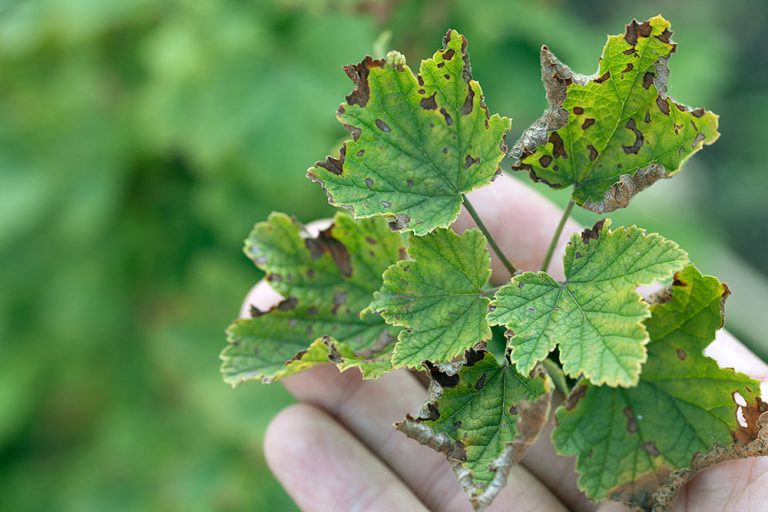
{"x": 336, "y": 449}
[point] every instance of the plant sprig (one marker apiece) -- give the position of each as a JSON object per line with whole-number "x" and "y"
{"x": 364, "y": 296}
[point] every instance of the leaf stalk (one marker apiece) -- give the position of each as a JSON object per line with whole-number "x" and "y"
{"x": 496, "y": 249}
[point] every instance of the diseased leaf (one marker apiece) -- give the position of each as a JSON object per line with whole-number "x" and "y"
{"x": 630, "y": 441}
{"x": 483, "y": 416}
{"x": 327, "y": 281}
{"x": 615, "y": 133}
{"x": 595, "y": 316}
{"x": 438, "y": 296}
{"x": 419, "y": 142}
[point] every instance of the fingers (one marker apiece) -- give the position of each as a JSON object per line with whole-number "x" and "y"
{"x": 522, "y": 223}
{"x": 323, "y": 467}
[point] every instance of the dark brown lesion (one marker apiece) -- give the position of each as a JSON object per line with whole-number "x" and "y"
{"x": 325, "y": 243}
{"x": 639, "y": 139}
{"x": 359, "y": 74}
{"x": 635, "y": 30}
{"x": 592, "y": 233}
{"x": 631, "y": 423}
{"x": 334, "y": 165}
{"x": 587, "y": 123}
{"x": 429, "y": 103}
{"x": 602, "y": 78}
{"x": 592, "y": 152}
{"x": 558, "y": 146}
{"x": 663, "y": 105}
{"x": 469, "y": 161}
{"x": 648, "y": 79}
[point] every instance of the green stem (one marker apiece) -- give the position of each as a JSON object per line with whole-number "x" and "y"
{"x": 473, "y": 213}
{"x": 557, "y": 376}
{"x": 556, "y": 236}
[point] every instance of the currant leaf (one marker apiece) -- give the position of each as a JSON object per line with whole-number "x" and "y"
{"x": 419, "y": 142}
{"x": 327, "y": 281}
{"x": 615, "y": 133}
{"x": 483, "y": 416}
{"x": 438, "y": 296}
{"x": 630, "y": 441}
{"x": 596, "y": 315}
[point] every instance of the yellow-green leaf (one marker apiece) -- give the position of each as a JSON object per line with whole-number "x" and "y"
{"x": 596, "y": 315}
{"x": 617, "y": 132}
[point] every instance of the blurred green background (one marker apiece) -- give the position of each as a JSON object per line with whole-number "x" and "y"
{"x": 140, "y": 140}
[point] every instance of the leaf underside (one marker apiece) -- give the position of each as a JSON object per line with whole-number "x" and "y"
{"x": 615, "y": 133}
{"x": 630, "y": 441}
{"x": 419, "y": 142}
{"x": 483, "y": 416}
{"x": 596, "y": 316}
{"x": 327, "y": 280}
{"x": 438, "y": 297}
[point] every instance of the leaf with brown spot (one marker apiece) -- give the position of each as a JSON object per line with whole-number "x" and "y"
{"x": 411, "y": 136}
{"x": 595, "y": 317}
{"x": 483, "y": 422}
{"x": 438, "y": 297}
{"x": 633, "y": 142}
{"x": 633, "y": 445}
{"x": 328, "y": 280}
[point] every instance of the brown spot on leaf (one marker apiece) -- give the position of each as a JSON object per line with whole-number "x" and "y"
{"x": 400, "y": 222}
{"x": 469, "y": 161}
{"x": 325, "y": 243}
{"x": 681, "y": 354}
{"x": 576, "y": 394}
{"x": 409, "y": 183}
{"x": 513, "y": 410}
{"x": 472, "y": 356}
{"x": 386, "y": 204}
{"x": 287, "y": 304}
{"x": 429, "y": 103}
{"x": 602, "y": 78}
{"x": 334, "y": 165}
{"x": 360, "y": 153}
{"x": 449, "y": 53}
{"x": 665, "y": 36}
{"x": 636, "y": 30}
{"x": 648, "y": 79}
{"x": 578, "y": 111}
{"x": 639, "y": 139}
{"x": 383, "y": 126}
{"x": 371, "y": 240}
{"x": 697, "y": 112}
{"x": 469, "y": 102}
{"x": 592, "y": 233}
{"x": 631, "y": 423}
{"x": 558, "y": 147}
{"x": 651, "y": 449}
{"x": 447, "y": 116}
{"x": 480, "y": 384}
{"x": 587, "y": 123}
{"x": 434, "y": 413}
{"x": 359, "y": 75}
{"x": 663, "y": 105}
{"x": 545, "y": 160}
{"x": 447, "y": 76}
{"x": 592, "y": 152}
{"x": 312, "y": 310}
{"x": 629, "y": 68}
{"x": 647, "y": 117}
{"x": 368, "y": 182}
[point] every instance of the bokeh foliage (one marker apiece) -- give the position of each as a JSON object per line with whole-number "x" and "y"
{"x": 141, "y": 139}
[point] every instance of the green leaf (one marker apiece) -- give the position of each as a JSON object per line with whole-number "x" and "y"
{"x": 419, "y": 142}
{"x": 438, "y": 296}
{"x": 327, "y": 281}
{"x": 482, "y": 416}
{"x": 615, "y": 133}
{"x": 629, "y": 441}
{"x": 596, "y": 315}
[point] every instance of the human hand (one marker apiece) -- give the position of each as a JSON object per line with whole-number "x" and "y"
{"x": 337, "y": 450}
